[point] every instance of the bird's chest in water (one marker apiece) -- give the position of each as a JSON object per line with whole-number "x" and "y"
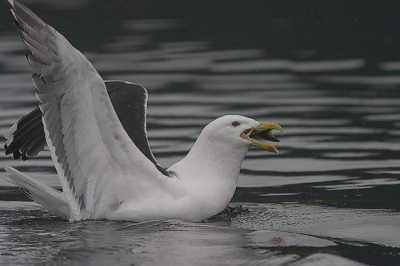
{"x": 208, "y": 200}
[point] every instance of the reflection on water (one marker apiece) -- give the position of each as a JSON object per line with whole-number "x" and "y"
{"x": 330, "y": 197}
{"x": 258, "y": 236}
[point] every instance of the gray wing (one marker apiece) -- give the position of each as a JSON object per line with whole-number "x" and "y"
{"x": 87, "y": 141}
{"x": 25, "y": 139}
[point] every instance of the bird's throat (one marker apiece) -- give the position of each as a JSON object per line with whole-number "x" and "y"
{"x": 207, "y": 160}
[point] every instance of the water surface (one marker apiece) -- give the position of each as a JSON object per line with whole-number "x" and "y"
{"x": 332, "y": 195}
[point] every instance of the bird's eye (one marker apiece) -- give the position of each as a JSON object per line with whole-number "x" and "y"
{"x": 235, "y": 123}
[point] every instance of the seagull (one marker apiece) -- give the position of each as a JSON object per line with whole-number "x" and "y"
{"x": 96, "y": 133}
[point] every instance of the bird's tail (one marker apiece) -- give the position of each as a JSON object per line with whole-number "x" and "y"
{"x": 46, "y": 196}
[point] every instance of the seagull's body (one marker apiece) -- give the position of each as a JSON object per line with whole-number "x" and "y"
{"x": 102, "y": 157}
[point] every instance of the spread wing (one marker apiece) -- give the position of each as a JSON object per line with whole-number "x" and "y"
{"x": 98, "y": 165}
{"x": 25, "y": 139}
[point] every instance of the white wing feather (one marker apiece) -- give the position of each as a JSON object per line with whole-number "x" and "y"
{"x": 98, "y": 164}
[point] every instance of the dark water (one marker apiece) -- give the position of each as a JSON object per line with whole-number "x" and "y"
{"x": 329, "y": 74}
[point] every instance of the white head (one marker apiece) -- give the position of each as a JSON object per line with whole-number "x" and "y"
{"x": 222, "y": 145}
{"x": 236, "y": 131}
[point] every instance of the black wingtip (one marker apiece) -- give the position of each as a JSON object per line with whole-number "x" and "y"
{"x": 24, "y": 157}
{"x": 16, "y": 155}
{"x": 7, "y": 151}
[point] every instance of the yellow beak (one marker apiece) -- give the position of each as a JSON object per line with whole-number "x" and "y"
{"x": 262, "y": 127}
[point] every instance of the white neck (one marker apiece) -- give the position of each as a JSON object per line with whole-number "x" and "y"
{"x": 212, "y": 169}
{"x": 211, "y": 159}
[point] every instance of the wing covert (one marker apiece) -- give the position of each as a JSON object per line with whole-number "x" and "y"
{"x": 25, "y": 139}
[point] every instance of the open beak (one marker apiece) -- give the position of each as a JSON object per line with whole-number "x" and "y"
{"x": 262, "y": 132}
